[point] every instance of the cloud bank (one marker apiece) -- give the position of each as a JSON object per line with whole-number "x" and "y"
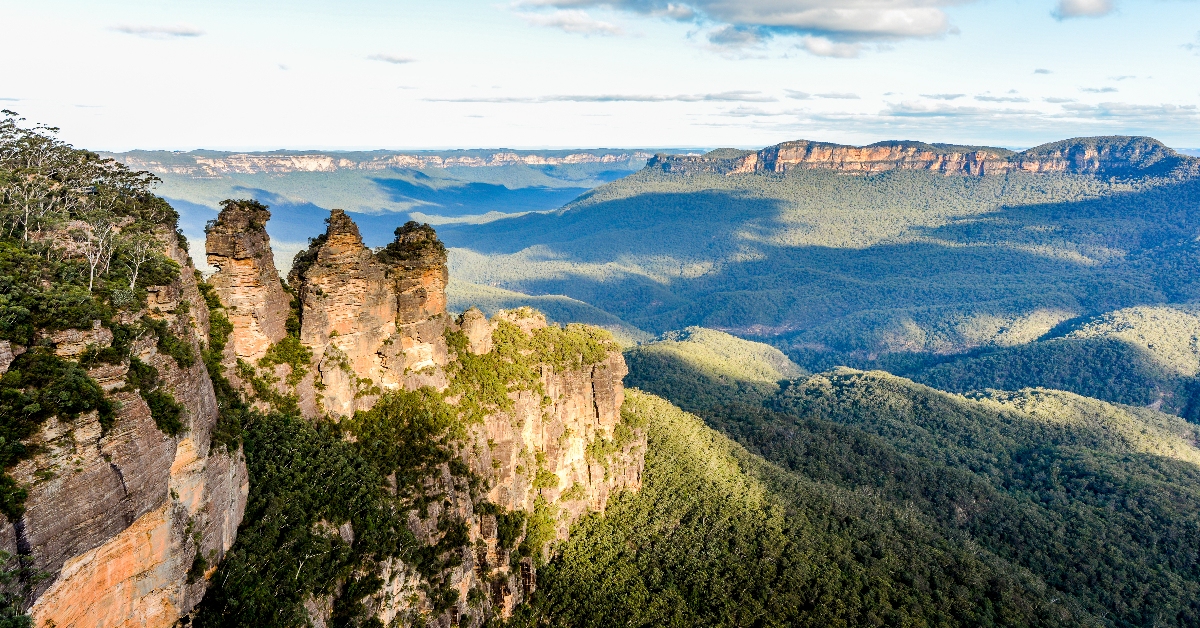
{"x": 158, "y": 32}
{"x": 574, "y": 21}
{"x": 393, "y": 59}
{"x": 829, "y": 28}
{"x": 1068, "y": 9}
{"x": 731, "y": 96}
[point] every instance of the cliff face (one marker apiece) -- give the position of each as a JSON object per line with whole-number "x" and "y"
{"x": 540, "y": 456}
{"x": 373, "y": 323}
{"x": 376, "y": 321}
{"x": 116, "y": 519}
{"x": 246, "y": 281}
{"x": 1098, "y": 155}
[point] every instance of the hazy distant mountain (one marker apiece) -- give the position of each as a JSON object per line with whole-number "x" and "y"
{"x": 381, "y": 189}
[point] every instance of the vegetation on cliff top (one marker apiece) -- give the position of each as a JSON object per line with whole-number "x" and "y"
{"x": 81, "y": 239}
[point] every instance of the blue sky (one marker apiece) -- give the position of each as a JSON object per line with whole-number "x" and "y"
{"x": 353, "y": 74}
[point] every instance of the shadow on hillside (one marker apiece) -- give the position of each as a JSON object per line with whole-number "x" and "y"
{"x": 452, "y": 198}
{"x": 1086, "y": 256}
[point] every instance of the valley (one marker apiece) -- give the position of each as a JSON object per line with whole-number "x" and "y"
{"x": 900, "y": 384}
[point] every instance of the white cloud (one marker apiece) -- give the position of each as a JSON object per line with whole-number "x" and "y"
{"x": 730, "y": 96}
{"x": 986, "y": 98}
{"x": 1058, "y": 101}
{"x": 1042, "y": 71}
{"x": 393, "y": 59}
{"x": 158, "y": 32}
{"x": 573, "y": 21}
{"x": 797, "y": 95}
{"x": 1139, "y": 113}
{"x": 943, "y": 96}
{"x": 835, "y": 20}
{"x": 921, "y": 109}
{"x": 1098, "y": 90}
{"x": 736, "y": 37}
{"x": 1083, "y": 8}
{"x": 824, "y": 47}
{"x": 839, "y": 96}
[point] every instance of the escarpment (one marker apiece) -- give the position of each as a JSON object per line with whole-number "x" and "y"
{"x": 1109, "y": 156}
{"x": 535, "y": 437}
{"x": 128, "y": 507}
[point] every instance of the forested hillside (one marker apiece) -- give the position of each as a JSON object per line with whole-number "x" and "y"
{"x": 718, "y": 536}
{"x": 699, "y": 368}
{"x": 901, "y": 260}
{"x": 1098, "y": 502}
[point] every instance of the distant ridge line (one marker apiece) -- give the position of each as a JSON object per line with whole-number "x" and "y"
{"x": 1111, "y": 155}
{"x": 214, "y": 163}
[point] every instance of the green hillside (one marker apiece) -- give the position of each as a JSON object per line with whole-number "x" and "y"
{"x": 732, "y": 369}
{"x": 1099, "y": 502}
{"x": 718, "y": 537}
{"x": 897, "y": 261}
{"x": 557, "y": 308}
{"x": 1144, "y": 356}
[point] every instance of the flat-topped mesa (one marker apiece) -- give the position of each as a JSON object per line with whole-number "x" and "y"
{"x": 879, "y": 157}
{"x": 246, "y": 280}
{"x": 373, "y": 322}
{"x": 1112, "y": 156}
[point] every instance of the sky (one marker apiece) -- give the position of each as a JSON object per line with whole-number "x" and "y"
{"x": 396, "y": 74}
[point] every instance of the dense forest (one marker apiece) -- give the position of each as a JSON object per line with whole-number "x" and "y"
{"x": 1096, "y": 502}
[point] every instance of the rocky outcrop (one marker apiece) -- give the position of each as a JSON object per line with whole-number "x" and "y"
{"x": 246, "y": 279}
{"x": 374, "y": 322}
{"x": 546, "y": 454}
{"x": 117, "y": 518}
{"x": 1112, "y": 156}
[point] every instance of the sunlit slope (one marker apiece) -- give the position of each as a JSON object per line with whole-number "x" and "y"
{"x": 718, "y": 537}
{"x": 557, "y": 308}
{"x": 729, "y": 368}
{"x": 895, "y": 261}
{"x": 1145, "y": 355}
{"x": 1100, "y": 501}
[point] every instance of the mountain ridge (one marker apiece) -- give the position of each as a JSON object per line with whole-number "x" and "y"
{"x": 1080, "y": 155}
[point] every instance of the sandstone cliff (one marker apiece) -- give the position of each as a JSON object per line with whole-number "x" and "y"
{"x": 554, "y": 447}
{"x": 122, "y": 520}
{"x": 1110, "y": 156}
{"x": 246, "y": 279}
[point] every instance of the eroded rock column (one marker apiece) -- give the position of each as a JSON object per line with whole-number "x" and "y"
{"x": 246, "y": 279}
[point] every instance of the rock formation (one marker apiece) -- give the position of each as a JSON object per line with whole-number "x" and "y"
{"x": 376, "y": 321}
{"x": 246, "y": 280}
{"x": 117, "y": 519}
{"x": 1114, "y": 156}
{"x": 513, "y": 451}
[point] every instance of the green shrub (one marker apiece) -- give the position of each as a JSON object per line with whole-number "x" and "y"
{"x": 37, "y": 386}
{"x": 169, "y": 343}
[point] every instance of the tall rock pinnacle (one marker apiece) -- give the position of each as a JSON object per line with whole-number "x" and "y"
{"x": 246, "y": 279}
{"x": 373, "y": 321}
